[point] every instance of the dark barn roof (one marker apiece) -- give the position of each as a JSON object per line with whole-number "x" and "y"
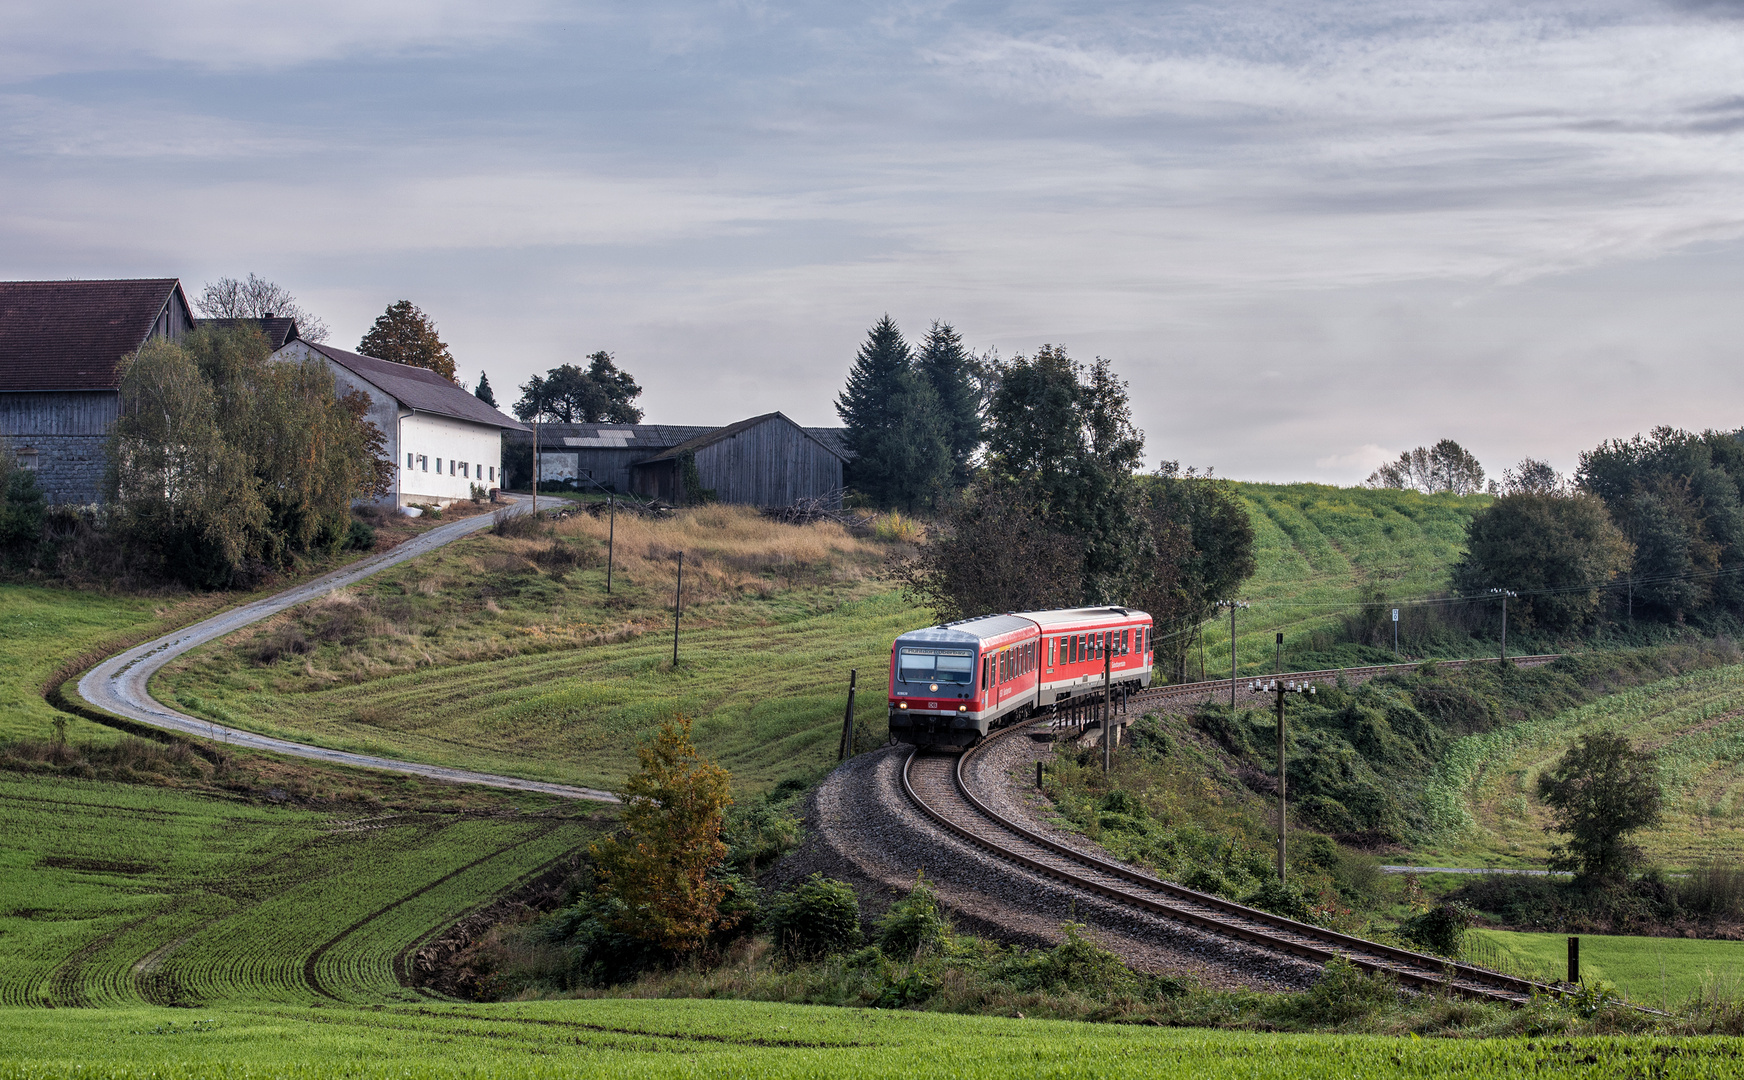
{"x": 600, "y": 436}
{"x": 708, "y": 438}
{"x": 72, "y": 335}
{"x": 278, "y": 330}
{"x": 418, "y": 388}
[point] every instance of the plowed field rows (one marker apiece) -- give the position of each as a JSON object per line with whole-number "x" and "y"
{"x": 115, "y": 894}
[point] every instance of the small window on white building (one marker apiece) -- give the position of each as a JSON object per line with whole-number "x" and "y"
{"x": 424, "y": 462}
{"x": 452, "y": 464}
{"x": 493, "y": 470}
{"x": 463, "y": 471}
{"x": 438, "y": 466}
{"x": 408, "y": 461}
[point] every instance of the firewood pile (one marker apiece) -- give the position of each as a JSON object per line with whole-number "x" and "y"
{"x": 825, "y": 507}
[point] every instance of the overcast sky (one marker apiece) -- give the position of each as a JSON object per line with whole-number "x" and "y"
{"x": 1310, "y": 235}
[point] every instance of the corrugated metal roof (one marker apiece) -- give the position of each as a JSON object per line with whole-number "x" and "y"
{"x": 418, "y": 388}
{"x": 72, "y": 335}
{"x": 650, "y": 437}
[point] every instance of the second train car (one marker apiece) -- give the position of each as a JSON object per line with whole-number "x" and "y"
{"x": 952, "y": 684}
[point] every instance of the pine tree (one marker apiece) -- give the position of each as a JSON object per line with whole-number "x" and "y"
{"x": 405, "y": 335}
{"x": 951, "y": 371}
{"x": 895, "y": 425}
{"x": 483, "y": 393}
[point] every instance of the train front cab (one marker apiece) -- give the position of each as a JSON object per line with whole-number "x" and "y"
{"x": 951, "y": 684}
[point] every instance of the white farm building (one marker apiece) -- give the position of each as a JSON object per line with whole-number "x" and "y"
{"x": 443, "y": 440}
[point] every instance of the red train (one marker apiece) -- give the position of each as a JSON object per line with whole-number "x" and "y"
{"x": 951, "y": 684}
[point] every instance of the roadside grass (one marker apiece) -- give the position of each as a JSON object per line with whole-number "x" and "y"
{"x": 1484, "y": 789}
{"x": 41, "y": 629}
{"x": 736, "y": 1038}
{"x": 1320, "y": 549}
{"x": 505, "y": 653}
{"x": 1657, "y": 972}
{"x": 123, "y": 894}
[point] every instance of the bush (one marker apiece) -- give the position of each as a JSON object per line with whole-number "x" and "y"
{"x": 1439, "y": 929}
{"x": 516, "y": 526}
{"x": 360, "y": 537}
{"x": 1715, "y": 890}
{"x": 818, "y": 917}
{"x": 914, "y": 925}
{"x": 1279, "y": 898}
{"x": 1344, "y": 993}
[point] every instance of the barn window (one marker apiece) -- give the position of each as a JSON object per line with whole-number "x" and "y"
{"x": 493, "y": 475}
{"x": 408, "y": 461}
{"x": 424, "y": 462}
{"x": 439, "y": 466}
{"x": 28, "y": 459}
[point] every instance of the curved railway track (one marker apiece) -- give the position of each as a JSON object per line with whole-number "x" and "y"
{"x": 934, "y": 782}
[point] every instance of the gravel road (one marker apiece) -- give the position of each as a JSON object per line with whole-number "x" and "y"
{"x": 118, "y": 684}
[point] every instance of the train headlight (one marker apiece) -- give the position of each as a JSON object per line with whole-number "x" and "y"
{"x": 902, "y": 704}
{"x": 962, "y": 708}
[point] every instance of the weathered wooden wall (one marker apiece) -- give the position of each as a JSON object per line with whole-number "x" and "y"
{"x": 772, "y": 464}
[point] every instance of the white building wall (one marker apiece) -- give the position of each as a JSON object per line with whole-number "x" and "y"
{"x": 425, "y": 437}
{"x": 441, "y": 458}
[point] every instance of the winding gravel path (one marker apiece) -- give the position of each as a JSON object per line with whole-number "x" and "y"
{"x": 119, "y": 684}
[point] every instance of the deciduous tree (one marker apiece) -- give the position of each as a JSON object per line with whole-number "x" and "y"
{"x": 567, "y": 394}
{"x": 659, "y": 867}
{"x": 1599, "y": 792}
{"x": 405, "y": 335}
{"x": 256, "y": 298}
{"x": 1557, "y": 552}
{"x": 1444, "y": 467}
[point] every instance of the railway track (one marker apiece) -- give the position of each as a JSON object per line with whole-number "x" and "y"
{"x": 934, "y": 782}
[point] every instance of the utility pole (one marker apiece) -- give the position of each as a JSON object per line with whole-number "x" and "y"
{"x": 677, "y": 605}
{"x": 1232, "y": 605}
{"x": 848, "y": 720}
{"x": 1280, "y": 688}
{"x": 535, "y": 466}
{"x": 611, "y": 537}
{"x": 1504, "y": 594}
{"x": 1107, "y": 702}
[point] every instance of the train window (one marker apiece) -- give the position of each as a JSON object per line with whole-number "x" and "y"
{"x": 1051, "y": 643}
{"x": 930, "y": 666}
{"x": 986, "y": 665}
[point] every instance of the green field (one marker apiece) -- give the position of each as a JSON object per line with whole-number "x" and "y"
{"x": 1483, "y": 793}
{"x": 494, "y": 654}
{"x": 121, "y": 894}
{"x": 1655, "y": 971}
{"x": 1321, "y": 548}
{"x": 734, "y": 1039}
{"x": 40, "y": 630}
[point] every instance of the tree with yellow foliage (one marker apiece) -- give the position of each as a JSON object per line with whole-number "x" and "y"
{"x": 658, "y": 866}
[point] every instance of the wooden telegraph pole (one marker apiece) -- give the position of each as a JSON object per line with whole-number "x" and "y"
{"x": 611, "y": 536}
{"x": 677, "y": 606}
{"x": 1107, "y": 701}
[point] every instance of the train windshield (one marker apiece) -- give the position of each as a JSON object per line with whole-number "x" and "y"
{"x": 935, "y": 665}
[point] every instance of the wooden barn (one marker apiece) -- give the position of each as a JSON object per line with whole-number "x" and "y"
{"x": 767, "y": 460}
{"x": 62, "y": 344}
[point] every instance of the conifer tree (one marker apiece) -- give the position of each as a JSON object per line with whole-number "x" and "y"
{"x": 895, "y": 425}
{"x": 951, "y": 370}
{"x": 483, "y": 393}
{"x": 405, "y": 335}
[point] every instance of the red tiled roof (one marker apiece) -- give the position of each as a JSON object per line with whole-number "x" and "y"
{"x": 418, "y": 388}
{"x": 71, "y": 335}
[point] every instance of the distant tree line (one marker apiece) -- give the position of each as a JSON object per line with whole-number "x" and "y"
{"x": 1030, "y": 468}
{"x": 1649, "y": 528}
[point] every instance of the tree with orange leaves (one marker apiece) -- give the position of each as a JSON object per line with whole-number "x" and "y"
{"x": 658, "y": 866}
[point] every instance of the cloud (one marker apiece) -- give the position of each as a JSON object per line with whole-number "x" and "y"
{"x": 1363, "y": 459}
{"x": 47, "y": 37}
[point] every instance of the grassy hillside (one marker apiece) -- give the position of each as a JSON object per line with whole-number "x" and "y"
{"x": 1320, "y": 549}
{"x": 1484, "y": 788}
{"x": 506, "y": 653}
{"x": 126, "y": 894}
{"x": 729, "y": 1038}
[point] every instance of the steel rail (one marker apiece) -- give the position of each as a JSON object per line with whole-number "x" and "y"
{"x": 1214, "y": 913}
